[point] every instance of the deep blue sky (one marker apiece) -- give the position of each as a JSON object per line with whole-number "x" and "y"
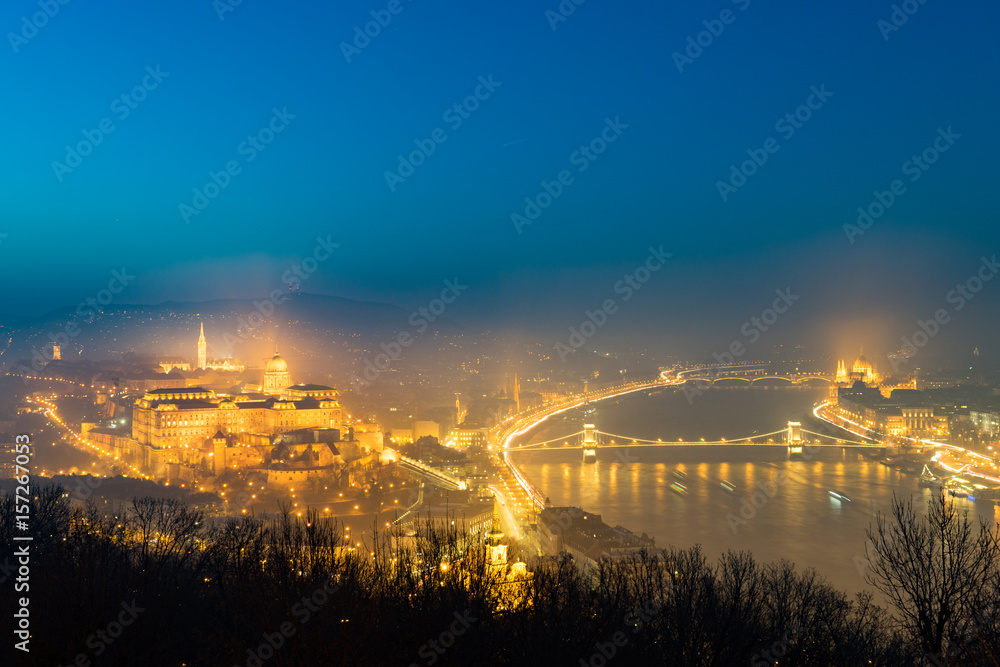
{"x": 324, "y": 174}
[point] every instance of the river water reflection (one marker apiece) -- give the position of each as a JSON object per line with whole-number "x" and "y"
{"x": 798, "y": 520}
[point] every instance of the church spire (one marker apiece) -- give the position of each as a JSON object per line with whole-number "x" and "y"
{"x": 202, "y": 349}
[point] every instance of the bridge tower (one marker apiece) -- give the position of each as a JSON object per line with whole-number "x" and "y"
{"x": 793, "y": 438}
{"x": 589, "y": 444}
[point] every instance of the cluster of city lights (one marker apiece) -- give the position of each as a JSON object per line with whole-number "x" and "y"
{"x": 50, "y": 413}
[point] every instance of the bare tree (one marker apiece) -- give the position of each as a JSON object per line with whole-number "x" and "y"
{"x": 940, "y": 575}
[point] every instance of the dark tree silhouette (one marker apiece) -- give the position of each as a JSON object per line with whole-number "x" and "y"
{"x": 285, "y": 591}
{"x": 940, "y": 575}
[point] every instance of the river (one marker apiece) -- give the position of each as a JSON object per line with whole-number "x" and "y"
{"x": 793, "y": 515}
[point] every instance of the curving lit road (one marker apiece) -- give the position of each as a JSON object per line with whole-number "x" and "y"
{"x": 950, "y": 455}
{"x": 519, "y": 500}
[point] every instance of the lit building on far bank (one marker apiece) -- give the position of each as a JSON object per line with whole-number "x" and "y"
{"x": 905, "y": 413}
{"x": 862, "y": 370}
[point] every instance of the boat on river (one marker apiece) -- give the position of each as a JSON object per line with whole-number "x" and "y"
{"x": 929, "y": 479}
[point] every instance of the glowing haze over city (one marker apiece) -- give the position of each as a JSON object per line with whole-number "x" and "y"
{"x": 573, "y": 333}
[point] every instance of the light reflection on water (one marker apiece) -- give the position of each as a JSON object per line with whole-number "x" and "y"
{"x": 800, "y": 522}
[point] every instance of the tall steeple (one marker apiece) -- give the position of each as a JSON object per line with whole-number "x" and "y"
{"x": 202, "y": 349}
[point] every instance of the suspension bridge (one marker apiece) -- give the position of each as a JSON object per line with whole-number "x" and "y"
{"x": 793, "y": 436}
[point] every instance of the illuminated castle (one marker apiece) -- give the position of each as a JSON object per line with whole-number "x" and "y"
{"x": 862, "y": 370}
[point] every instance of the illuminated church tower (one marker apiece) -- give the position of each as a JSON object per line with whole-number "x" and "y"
{"x": 202, "y": 349}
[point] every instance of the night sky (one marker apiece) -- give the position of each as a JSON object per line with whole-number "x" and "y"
{"x": 553, "y": 84}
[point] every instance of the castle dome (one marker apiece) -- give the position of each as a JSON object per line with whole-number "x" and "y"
{"x": 276, "y": 365}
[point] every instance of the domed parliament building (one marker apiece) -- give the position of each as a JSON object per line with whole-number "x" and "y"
{"x": 862, "y": 370}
